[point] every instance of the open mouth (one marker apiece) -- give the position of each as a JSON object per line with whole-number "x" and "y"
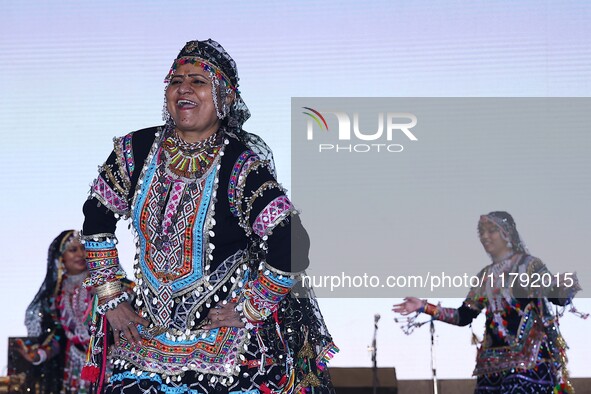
{"x": 186, "y": 104}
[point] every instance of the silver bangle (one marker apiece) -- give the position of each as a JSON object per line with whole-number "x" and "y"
{"x": 42, "y": 357}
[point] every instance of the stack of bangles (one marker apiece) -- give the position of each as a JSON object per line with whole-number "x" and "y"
{"x": 109, "y": 296}
{"x": 249, "y": 315}
{"x": 427, "y": 308}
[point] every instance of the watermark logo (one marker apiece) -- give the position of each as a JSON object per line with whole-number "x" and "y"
{"x": 317, "y": 117}
{"x": 389, "y": 124}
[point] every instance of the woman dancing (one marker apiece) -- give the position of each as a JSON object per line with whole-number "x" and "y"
{"x": 217, "y": 250}
{"x": 59, "y": 316}
{"x": 522, "y": 350}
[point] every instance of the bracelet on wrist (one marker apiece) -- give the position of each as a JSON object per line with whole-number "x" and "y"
{"x": 108, "y": 290}
{"x": 250, "y": 313}
{"x": 105, "y": 300}
{"x": 430, "y": 309}
{"x": 42, "y": 357}
{"x": 422, "y": 308}
{"x": 112, "y": 303}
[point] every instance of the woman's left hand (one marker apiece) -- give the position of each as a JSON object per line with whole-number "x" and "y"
{"x": 223, "y": 316}
{"x": 410, "y": 305}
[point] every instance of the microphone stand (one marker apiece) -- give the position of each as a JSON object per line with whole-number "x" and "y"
{"x": 411, "y": 325}
{"x": 374, "y": 351}
{"x": 433, "y": 369}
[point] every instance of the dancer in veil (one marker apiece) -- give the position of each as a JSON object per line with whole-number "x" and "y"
{"x": 522, "y": 350}
{"x": 219, "y": 248}
{"x": 58, "y": 316}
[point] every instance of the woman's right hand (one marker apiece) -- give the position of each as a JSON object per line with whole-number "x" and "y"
{"x": 223, "y": 315}
{"x": 410, "y": 305}
{"x": 29, "y": 353}
{"x": 124, "y": 321}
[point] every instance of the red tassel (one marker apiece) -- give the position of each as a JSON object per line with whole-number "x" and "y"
{"x": 90, "y": 373}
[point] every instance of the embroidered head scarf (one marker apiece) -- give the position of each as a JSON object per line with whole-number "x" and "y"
{"x": 39, "y": 316}
{"x": 507, "y": 228}
{"x": 213, "y": 58}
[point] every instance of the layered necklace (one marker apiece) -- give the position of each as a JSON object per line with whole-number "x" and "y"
{"x": 75, "y": 305}
{"x": 190, "y": 160}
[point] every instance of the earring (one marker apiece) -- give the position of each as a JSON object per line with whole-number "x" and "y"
{"x": 215, "y": 83}
{"x": 165, "y": 114}
{"x": 61, "y": 268}
{"x": 509, "y": 245}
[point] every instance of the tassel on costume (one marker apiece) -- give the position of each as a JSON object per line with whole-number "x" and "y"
{"x": 90, "y": 373}
{"x": 326, "y": 355}
{"x": 95, "y": 365}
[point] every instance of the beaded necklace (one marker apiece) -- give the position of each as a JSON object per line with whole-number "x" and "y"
{"x": 190, "y": 160}
{"x": 75, "y": 305}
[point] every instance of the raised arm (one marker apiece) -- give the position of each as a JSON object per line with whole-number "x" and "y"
{"x": 461, "y": 316}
